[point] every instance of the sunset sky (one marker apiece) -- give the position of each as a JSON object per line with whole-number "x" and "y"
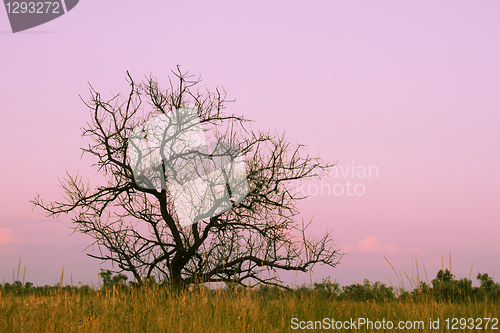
{"x": 410, "y": 89}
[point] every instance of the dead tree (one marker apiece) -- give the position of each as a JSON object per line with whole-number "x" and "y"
{"x": 137, "y": 228}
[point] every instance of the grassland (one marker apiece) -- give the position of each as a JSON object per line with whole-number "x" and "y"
{"x": 157, "y": 309}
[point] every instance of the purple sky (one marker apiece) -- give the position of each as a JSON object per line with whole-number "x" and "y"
{"x": 411, "y": 89}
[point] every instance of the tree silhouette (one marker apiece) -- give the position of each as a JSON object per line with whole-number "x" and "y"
{"x": 137, "y": 227}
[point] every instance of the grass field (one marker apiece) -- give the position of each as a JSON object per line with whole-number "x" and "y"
{"x": 157, "y": 309}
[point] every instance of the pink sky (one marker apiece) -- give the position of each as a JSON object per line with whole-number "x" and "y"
{"x": 410, "y": 88}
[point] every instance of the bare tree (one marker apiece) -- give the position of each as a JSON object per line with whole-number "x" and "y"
{"x": 137, "y": 227}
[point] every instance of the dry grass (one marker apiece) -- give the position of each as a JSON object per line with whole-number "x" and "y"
{"x": 159, "y": 310}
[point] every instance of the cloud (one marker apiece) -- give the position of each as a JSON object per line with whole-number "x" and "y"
{"x": 368, "y": 244}
{"x": 372, "y": 245}
{"x": 6, "y": 236}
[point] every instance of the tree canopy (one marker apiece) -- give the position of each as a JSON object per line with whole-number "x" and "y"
{"x": 138, "y": 229}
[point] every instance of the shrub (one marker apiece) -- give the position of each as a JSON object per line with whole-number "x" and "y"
{"x": 110, "y": 281}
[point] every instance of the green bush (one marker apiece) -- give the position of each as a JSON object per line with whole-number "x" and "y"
{"x": 328, "y": 288}
{"x": 110, "y": 281}
{"x": 377, "y": 292}
{"x": 444, "y": 288}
